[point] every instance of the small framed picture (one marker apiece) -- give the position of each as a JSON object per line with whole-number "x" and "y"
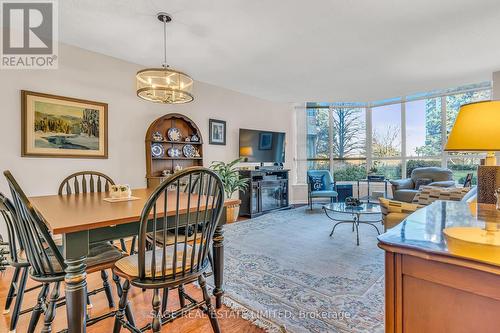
{"x": 266, "y": 141}
{"x": 57, "y": 126}
{"x": 217, "y": 135}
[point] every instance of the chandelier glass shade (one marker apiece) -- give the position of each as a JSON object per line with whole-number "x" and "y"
{"x": 164, "y": 85}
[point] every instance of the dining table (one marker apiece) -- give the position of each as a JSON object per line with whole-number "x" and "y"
{"x": 86, "y": 218}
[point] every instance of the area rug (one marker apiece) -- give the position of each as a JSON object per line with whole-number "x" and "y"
{"x": 285, "y": 269}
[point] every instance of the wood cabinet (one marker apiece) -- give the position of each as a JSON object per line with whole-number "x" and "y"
{"x": 431, "y": 288}
{"x": 155, "y": 165}
{"x": 267, "y": 191}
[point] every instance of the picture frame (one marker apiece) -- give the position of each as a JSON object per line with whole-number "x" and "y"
{"x": 265, "y": 141}
{"x": 65, "y": 127}
{"x": 217, "y": 132}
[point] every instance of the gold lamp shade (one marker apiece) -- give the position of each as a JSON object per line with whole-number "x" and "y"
{"x": 477, "y": 128}
{"x": 164, "y": 85}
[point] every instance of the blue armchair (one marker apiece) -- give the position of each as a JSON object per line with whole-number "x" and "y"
{"x": 320, "y": 184}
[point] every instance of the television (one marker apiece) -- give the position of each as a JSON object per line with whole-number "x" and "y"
{"x": 262, "y": 146}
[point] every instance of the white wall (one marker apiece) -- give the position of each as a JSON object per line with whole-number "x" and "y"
{"x": 87, "y": 75}
{"x": 495, "y": 92}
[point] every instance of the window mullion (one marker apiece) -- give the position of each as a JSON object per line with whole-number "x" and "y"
{"x": 330, "y": 137}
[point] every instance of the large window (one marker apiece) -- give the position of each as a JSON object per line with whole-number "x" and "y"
{"x": 336, "y": 140}
{"x": 402, "y": 134}
{"x": 423, "y": 128}
{"x": 386, "y": 136}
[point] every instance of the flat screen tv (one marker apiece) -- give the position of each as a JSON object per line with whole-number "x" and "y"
{"x": 262, "y": 146}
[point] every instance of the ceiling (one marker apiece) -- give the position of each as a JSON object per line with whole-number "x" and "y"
{"x": 295, "y": 50}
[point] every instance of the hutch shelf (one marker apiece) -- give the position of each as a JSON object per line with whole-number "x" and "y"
{"x": 156, "y": 165}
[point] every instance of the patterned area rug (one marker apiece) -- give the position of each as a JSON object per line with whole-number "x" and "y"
{"x": 288, "y": 271}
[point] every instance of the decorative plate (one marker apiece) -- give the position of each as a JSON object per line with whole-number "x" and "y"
{"x": 195, "y": 138}
{"x": 157, "y": 136}
{"x": 174, "y": 152}
{"x": 174, "y": 134}
{"x": 157, "y": 150}
{"x": 189, "y": 151}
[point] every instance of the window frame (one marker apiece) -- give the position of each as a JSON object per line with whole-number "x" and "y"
{"x": 404, "y": 158}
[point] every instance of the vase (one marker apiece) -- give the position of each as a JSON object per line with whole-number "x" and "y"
{"x": 232, "y": 213}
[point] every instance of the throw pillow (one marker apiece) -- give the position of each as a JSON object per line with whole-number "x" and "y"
{"x": 429, "y": 194}
{"x": 422, "y": 182}
{"x": 317, "y": 183}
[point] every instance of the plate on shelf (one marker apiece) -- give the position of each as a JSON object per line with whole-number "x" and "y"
{"x": 174, "y": 134}
{"x": 189, "y": 151}
{"x": 157, "y": 136}
{"x": 157, "y": 150}
{"x": 174, "y": 152}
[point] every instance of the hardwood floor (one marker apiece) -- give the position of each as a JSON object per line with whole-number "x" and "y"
{"x": 195, "y": 322}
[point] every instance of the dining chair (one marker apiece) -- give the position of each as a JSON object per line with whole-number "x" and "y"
{"x": 89, "y": 182}
{"x": 46, "y": 261}
{"x": 17, "y": 259}
{"x": 93, "y": 182}
{"x": 180, "y": 262}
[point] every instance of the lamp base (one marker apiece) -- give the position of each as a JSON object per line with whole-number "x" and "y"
{"x": 491, "y": 159}
{"x": 488, "y": 180}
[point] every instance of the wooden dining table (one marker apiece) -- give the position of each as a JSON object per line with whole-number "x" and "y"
{"x": 83, "y": 219}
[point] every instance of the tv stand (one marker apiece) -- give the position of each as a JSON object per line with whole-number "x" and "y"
{"x": 267, "y": 191}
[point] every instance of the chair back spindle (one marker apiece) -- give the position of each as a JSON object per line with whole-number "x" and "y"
{"x": 85, "y": 182}
{"x": 197, "y": 196}
{"x": 9, "y": 215}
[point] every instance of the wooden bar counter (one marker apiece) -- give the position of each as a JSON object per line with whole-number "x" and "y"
{"x": 434, "y": 285}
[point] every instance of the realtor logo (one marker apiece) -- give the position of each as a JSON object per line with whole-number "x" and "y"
{"x": 29, "y": 34}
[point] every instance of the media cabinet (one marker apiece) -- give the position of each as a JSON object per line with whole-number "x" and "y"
{"x": 267, "y": 191}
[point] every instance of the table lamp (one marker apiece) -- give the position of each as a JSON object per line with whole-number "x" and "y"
{"x": 477, "y": 128}
{"x": 246, "y": 152}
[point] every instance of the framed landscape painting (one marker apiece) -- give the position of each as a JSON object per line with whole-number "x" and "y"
{"x": 56, "y": 126}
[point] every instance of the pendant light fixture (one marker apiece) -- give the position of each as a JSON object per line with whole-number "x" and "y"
{"x": 164, "y": 85}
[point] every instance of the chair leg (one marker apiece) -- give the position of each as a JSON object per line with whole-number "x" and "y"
{"x": 211, "y": 259}
{"x": 164, "y": 301}
{"x": 182, "y": 300}
{"x": 123, "y": 245}
{"x": 37, "y": 311}
{"x": 12, "y": 290}
{"x": 210, "y": 310}
{"x": 51, "y": 309}
{"x": 156, "y": 322}
{"x": 107, "y": 288}
{"x": 118, "y": 284}
{"x": 122, "y": 305}
{"x": 132, "y": 245}
{"x": 19, "y": 299}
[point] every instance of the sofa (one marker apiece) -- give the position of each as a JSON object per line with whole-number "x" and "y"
{"x": 394, "y": 212}
{"x": 405, "y": 189}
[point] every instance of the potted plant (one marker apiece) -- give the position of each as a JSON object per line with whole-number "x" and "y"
{"x": 232, "y": 181}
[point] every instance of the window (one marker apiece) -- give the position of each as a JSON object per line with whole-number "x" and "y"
{"x": 391, "y": 169}
{"x": 318, "y": 142}
{"x": 453, "y": 103}
{"x": 423, "y": 128}
{"x": 386, "y": 137}
{"x": 337, "y": 134}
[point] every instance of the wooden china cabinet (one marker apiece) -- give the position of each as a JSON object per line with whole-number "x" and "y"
{"x": 156, "y": 164}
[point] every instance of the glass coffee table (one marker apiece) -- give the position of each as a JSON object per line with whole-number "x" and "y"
{"x": 366, "y": 208}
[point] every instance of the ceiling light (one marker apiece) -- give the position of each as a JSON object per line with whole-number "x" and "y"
{"x": 164, "y": 85}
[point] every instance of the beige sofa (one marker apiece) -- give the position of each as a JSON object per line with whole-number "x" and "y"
{"x": 394, "y": 212}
